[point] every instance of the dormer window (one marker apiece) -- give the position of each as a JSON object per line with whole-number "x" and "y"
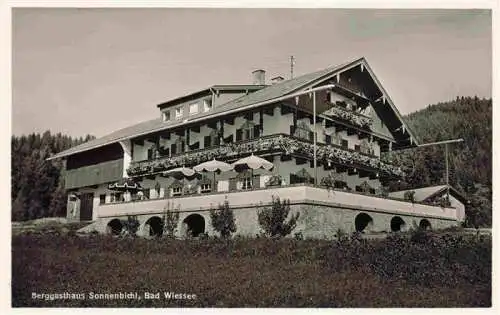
{"x": 165, "y": 116}
{"x": 207, "y": 105}
{"x": 193, "y": 109}
{"x": 179, "y": 111}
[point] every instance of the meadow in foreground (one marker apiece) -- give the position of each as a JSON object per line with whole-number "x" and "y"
{"x": 418, "y": 270}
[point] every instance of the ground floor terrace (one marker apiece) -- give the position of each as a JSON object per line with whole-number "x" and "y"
{"x": 323, "y": 213}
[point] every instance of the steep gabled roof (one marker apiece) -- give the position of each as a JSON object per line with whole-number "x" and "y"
{"x": 282, "y": 88}
{"x": 425, "y": 193}
{"x": 267, "y": 93}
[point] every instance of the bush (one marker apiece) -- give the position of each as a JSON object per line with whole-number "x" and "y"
{"x": 423, "y": 258}
{"x": 274, "y": 180}
{"x": 131, "y": 225}
{"x": 170, "y": 221}
{"x": 329, "y": 180}
{"x": 223, "y": 220}
{"x": 273, "y": 221}
{"x": 409, "y": 196}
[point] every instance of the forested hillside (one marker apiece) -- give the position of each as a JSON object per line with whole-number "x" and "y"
{"x": 470, "y": 165}
{"x": 37, "y": 185}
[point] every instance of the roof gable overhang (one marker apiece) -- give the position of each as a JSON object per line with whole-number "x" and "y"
{"x": 453, "y": 192}
{"x": 376, "y": 95}
{"x": 310, "y": 85}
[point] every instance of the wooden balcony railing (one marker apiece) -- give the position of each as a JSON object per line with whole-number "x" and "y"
{"x": 350, "y": 116}
{"x": 268, "y": 144}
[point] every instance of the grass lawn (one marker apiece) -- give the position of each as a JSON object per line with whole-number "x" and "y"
{"x": 251, "y": 272}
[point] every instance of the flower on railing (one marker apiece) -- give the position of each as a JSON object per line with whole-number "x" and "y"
{"x": 329, "y": 180}
{"x": 276, "y": 143}
{"x": 350, "y": 116}
{"x": 274, "y": 180}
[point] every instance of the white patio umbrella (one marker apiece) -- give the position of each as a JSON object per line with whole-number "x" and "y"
{"x": 253, "y": 162}
{"x": 180, "y": 172}
{"x": 213, "y": 166}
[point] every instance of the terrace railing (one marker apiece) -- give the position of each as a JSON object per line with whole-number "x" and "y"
{"x": 268, "y": 144}
{"x": 350, "y": 116}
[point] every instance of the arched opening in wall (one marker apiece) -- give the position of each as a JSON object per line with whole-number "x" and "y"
{"x": 195, "y": 225}
{"x": 424, "y": 224}
{"x": 362, "y": 222}
{"x": 155, "y": 226}
{"x": 114, "y": 227}
{"x": 397, "y": 224}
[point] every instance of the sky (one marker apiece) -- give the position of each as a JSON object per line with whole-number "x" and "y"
{"x": 93, "y": 71}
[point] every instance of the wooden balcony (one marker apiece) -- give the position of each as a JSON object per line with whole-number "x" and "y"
{"x": 274, "y": 144}
{"x": 343, "y": 114}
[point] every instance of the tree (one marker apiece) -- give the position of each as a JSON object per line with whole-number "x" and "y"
{"x": 58, "y": 202}
{"x": 170, "y": 221}
{"x": 37, "y": 184}
{"x": 470, "y": 162}
{"x": 223, "y": 220}
{"x": 273, "y": 220}
{"x": 131, "y": 225}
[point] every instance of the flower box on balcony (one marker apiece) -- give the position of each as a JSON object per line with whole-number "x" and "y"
{"x": 276, "y": 143}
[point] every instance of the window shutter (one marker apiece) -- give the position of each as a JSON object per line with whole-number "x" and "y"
{"x": 256, "y": 181}
{"x": 166, "y": 151}
{"x": 238, "y": 134}
{"x": 311, "y": 136}
{"x": 256, "y": 131}
{"x": 173, "y": 148}
{"x": 292, "y": 130}
{"x": 216, "y": 140}
{"x": 207, "y": 142}
{"x": 328, "y": 139}
{"x": 232, "y": 184}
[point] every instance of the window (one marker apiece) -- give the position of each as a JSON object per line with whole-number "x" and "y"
{"x": 179, "y": 111}
{"x": 152, "y": 153}
{"x": 193, "y": 109}
{"x": 165, "y": 116}
{"x": 328, "y": 139}
{"x": 345, "y": 144}
{"x": 102, "y": 199}
{"x": 176, "y": 191}
{"x": 296, "y": 179}
{"x": 207, "y": 142}
{"x": 207, "y": 105}
{"x": 205, "y": 188}
{"x": 357, "y": 147}
{"x": 304, "y": 134}
{"x": 246, "y": 183}
{"x": 117, "y": 197}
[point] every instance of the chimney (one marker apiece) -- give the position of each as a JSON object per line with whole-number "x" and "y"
{"x": 259, "y": 77}
{"x": 277, "y": 79}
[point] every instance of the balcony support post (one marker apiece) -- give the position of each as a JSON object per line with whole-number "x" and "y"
{"x": 315, "y": 140}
